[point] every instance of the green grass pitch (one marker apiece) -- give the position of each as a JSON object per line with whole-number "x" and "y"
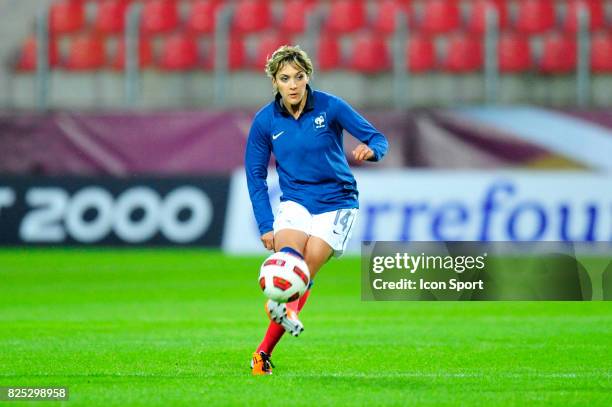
{"x": 177, "y": 327}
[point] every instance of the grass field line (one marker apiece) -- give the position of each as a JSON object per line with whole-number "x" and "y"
{"x": 364, "y": 375}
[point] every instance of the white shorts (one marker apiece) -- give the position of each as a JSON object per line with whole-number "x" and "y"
{"x": 334, "y": 227}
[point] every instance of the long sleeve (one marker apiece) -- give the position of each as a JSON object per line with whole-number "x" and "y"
{"x": 361, "y": 129}
{"x": 256, "y": 159}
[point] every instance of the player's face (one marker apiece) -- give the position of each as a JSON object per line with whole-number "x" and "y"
{"x": 291, "y": 84}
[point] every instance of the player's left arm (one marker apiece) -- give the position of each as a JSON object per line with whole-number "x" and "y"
{"x": 374, "y": 145}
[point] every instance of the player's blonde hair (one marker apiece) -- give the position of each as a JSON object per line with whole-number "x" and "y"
{"x": 288, "y": 54}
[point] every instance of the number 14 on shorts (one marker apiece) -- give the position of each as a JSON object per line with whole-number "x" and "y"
{"x": 344, "y": 219}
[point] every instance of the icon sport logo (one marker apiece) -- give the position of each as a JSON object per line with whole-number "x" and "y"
{"x": 277, "y": 135}
{"x": 320, "y": 121}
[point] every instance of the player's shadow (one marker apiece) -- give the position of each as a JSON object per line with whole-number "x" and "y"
{"x": 553, "y": 277}
{"x": 606, "y": 283}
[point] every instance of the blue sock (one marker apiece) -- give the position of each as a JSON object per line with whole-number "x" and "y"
{"x": 291, "y": 250}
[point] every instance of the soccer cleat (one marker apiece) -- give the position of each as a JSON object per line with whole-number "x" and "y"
{"x": 261, "y": 364}
{"x": 279, "y": 313}
{"x": 276, "y": 311}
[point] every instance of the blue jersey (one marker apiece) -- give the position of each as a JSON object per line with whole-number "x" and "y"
{"x": 310, "y": 160}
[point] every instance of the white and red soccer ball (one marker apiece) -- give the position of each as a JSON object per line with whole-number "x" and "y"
{"x": 284, "y": 277}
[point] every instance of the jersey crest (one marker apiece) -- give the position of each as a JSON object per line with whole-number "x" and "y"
{"x": 320, "y": 121}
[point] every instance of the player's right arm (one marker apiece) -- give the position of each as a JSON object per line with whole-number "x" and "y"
{"x": 257, "y": 157}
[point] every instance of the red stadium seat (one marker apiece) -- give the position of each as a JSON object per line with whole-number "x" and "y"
{"x": 236, "y": 55}
{"x": 110, "y": 16}
{"x": 601, "y": 53}
{"x": 464, "y": 54}
{"x": 87, "y": 52}
{"x": 145, "y": 55}
{"x": 558, "y": 54}
{"x": 179, "y": 53}
{"x": 514, "y": 53}
{"x": 596, "y": 11}
{"x": 202, "y": 15}
{"x": 477, "y": 22}
{"x": 251, "y": 16}
{"x": 370, "y": 54}
{"x": 329, "y": 55}
{"x": 294, "y": 15}
{"x": 159, "y": 16}
{"x": 386, "y": 12}
{"x": 439, "y": 16}
{"x": 420, "y": 53}
{"x": 346, "y": 16}
{"x": 66, "y": 16}
{"x": 267, "y": 44}
{"x": 535, "y": 16}
{"x": 28, "y": 55}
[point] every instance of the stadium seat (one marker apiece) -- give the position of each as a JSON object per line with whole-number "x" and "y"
{"x": 514, "y": 53}
{"x": 26, "y": 61}
{"x": 558, "y": 54}
{"x": 66, "y": 16}
{"x": 268, "y": 43}
{"x": 202, "y": 15}
{"x": 86, "y": 53}
{"x": 345, "y": 16}
{"x": 294, "y": 15}
{"x": 179, "y": 52}
{"x": 477, "y": 22}
{"x": 251, "y": 16}
{"x": 535, "y": 16}
{"x": 159, "y": 16}
{"x": 420, "y": 53}
{"x": 601, "y": 53}
{"x": 370, "y": 54}
{"x": 110, "y": 16}
{"x": 386, "y": 12}
{"x": 439, "y": 16}
{"x": 464, "y": 53}
{"x": 329, "y": 55}
{"x": 596, "y": 14}
{"x": 235, "y": 53}
{"x": 145, "y": 55}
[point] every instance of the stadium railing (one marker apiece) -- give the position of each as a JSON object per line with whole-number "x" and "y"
{"x": 486, "y": 42}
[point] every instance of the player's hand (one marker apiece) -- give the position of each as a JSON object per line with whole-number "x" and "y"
{"x": 362, "y": 152}
{"x": 268, "y": 240}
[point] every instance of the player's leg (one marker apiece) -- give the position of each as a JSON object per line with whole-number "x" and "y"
{"x": 291, "y": 241}
{"x": 292, "y": 238}
{"x": 330, "y": 234}
{"x": 291, "y": 227}
{"x": 316, "y": 254}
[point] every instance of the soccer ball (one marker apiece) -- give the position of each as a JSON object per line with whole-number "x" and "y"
{"x": 284, "y": 277}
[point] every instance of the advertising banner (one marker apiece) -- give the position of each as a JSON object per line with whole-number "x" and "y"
{"x": 112, "y": 211}
{"x": 407, "y": 205}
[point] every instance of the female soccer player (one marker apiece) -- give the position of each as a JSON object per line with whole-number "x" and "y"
{"x": 303, "y": 128}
